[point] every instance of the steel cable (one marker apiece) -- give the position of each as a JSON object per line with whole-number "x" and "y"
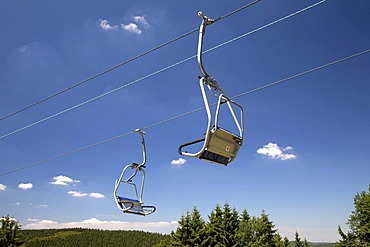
{"x": 188, "y": 113}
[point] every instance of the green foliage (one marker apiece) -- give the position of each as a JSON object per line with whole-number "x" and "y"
{"x": 305, "y": 243}
{"x": 257, "y": 231}
{"x": 225, "y": 228}
{"x": 190, "y": 230}
{"x": 9, "y": 231}
{"x": 222, "y": 227}
{"x": 297, "y": 240}
{"x": 89, "y": 237}
{"x": 358, "y": 222}
{"x": 286, "y": 242}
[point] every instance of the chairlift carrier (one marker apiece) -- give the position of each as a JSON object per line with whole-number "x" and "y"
{"x": 133, "y": 205}
{"x": 219, "y": 145}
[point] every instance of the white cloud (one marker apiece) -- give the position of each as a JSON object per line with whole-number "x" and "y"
{"x": 272, "y": 150}
{"x": 96, "y": 195}
{"x": 104, "y": 24}
{"x": 25, "y": 186}
{"x": 77, "y": 194}
{"x": 63, "y": 180}
{"x": 288, "y": 156}
{"x": 141, "y": 20}
{"x": 83, "y": 194}
{"x": 131, "y": 27}
{"x": 22, "y": 48}
{"x": 159, "y": 226}
{"x": 2, "y": 187}
{"x": 178, "y": 162}
{"x": 33, "y": 220}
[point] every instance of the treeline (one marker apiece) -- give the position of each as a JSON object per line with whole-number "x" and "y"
{"x": 88, "y": 237}
{"x": 227, "y": 228}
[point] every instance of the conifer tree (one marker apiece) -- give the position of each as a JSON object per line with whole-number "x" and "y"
{"x": 267, "y": 228}
{"x": 182, "y": 234}
{"x": 305, "y": 243}
{"x": 286, "y": 242}
{"x": 244, "y": 233}
{"x": 256, "y": 231}
{"x": 358, "y": 222}
{"x": 278, "y": 240}
{"x": 281, "y": 242}
{"x": 214, "y": 228}
{"x": 297, "y": 240}
{"x": 9, "y": 231}
{"x": 197, "y": 228}
{"x": 230, "y": 225}
{"x": 190, "y": 231}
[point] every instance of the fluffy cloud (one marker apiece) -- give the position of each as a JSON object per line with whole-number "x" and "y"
{"x": 63, "y": 180}
{"x": 22, "y": 48}
{"x": 131, "y": 27}
{"x": 273, "y": 151}
{"x": 178, "y": 162}
{"x": 160, "y": 226}
{"x": 77, "y": 194}
{"x": 83, "y": 194}
{"x": 33, "y": 220}
{"x": 142, "y": 20}
{"x": 96, "y": 195}
{"x": 2, "y": 187}
{"x": 104, "y": 24}
{"x": 25, "y": 186}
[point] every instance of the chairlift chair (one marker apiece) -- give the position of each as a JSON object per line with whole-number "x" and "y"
{"x": 133, "y": 205}
{"x": 219, "y": 145}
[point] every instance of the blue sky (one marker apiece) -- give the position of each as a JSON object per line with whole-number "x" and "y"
{"x": 305, "y": 151}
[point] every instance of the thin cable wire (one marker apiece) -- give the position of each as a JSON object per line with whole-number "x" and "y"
{"x": 99, "y": 74}
{"x": 67, "y": 153}
{"x": 265, "y": 26}
{"x": 235, "y": 11}
{"x": 159, "y": 71}
{"x": 301, "y": 74}
{"x": 120, "y": 64}
{"x": 190, "y": 112}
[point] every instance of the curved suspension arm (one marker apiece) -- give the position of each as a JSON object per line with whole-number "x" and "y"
{"x": 202, "y": 29}
{"x": 209, "y": 80}
{"x": 141, "y": 132}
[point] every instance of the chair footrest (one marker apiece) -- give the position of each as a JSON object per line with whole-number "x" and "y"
{"x": 213, "y": 157}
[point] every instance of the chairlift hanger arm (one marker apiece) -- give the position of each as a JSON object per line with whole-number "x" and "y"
{"x": 142, "y": 133}
{"x": 202, "y": 30}
{"x": 207, "y": 79}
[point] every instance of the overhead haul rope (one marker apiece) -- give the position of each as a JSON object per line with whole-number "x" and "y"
{"x": 120, "y": 64}
{"x": 187, "y": 113}
{"x": 159, "y": 71}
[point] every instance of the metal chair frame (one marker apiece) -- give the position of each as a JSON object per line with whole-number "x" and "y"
{"x": 219, "y": 145}
{"x": 129, "y": 205}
